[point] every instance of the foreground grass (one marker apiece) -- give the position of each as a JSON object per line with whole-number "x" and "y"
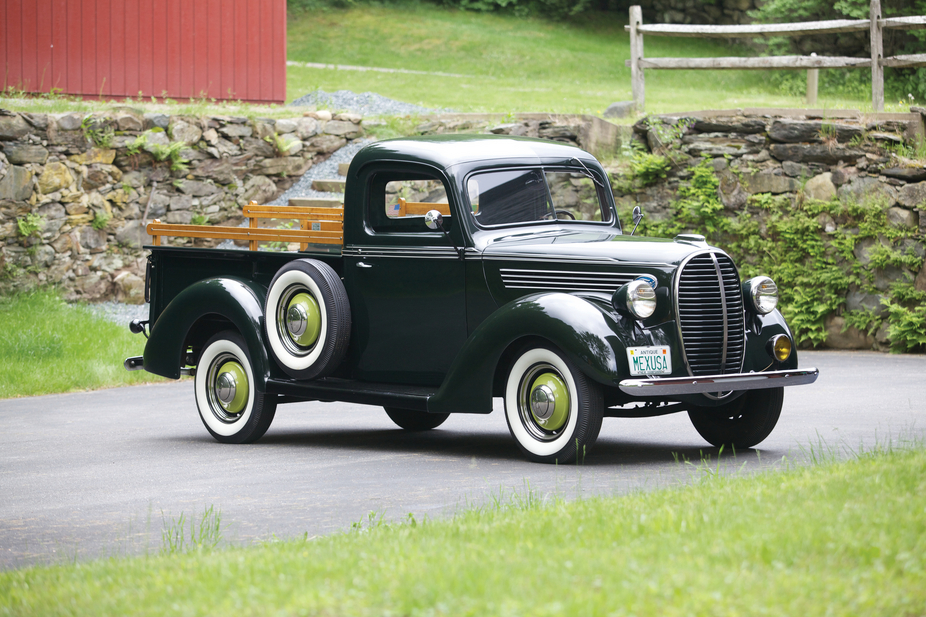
{"x": 512, "y": 64}
{"x": 49, "y": 346}
{"x": 833, "y": 539}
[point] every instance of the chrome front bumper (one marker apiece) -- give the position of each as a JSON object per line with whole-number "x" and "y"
{"x": 669, "y": 386}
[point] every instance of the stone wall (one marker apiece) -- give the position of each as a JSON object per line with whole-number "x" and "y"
{"x": 801, "y": 156}
{"x": 74, "y": 188}
{"x": 716, "y": 12}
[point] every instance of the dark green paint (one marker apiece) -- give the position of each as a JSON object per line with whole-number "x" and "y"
{"x": 236, "y": 300}
{"x": 430, "y": 328}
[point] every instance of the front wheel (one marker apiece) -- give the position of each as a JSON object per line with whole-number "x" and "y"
{"x": 412, "y": 420}
{"x": 742, "y": 423}
{"x": 230, "y": 406}
{"x": 553, "y": 410}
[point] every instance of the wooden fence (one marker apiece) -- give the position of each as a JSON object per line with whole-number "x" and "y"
{"x": 875, "y": 25}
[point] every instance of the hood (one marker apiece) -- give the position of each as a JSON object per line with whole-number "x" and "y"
{"x": 593, "y": 261}
{"x": 601, "y": 246}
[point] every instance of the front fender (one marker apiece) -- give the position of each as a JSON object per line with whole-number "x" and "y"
{"x": 237, "y": 300}
{"x": 587, "y": 333}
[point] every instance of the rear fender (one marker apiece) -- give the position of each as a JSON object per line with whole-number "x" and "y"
{"x": 236, "y": 300}
{"x": 586, "y": 333}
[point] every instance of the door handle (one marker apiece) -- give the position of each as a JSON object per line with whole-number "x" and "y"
{"x": 361, "y": 264}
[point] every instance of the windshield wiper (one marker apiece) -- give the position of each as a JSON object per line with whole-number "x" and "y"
{"x": 588, "y": 172}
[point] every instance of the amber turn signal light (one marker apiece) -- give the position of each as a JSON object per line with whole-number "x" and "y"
{"x": 779, "y": 347}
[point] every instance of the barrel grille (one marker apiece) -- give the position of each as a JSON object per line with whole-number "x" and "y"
{"x": 710, "y": 314}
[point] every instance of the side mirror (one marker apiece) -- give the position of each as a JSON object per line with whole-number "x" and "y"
{"x": 434, "y": 220}
{"x": 637, "y": 217}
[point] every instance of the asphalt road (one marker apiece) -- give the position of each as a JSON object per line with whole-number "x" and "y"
{"x": 101, "y": 473}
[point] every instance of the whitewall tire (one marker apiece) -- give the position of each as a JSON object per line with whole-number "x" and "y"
{"x": 553, "y": 410}
{"x": 307, "y": 319}
{"x": 229, "y": 404}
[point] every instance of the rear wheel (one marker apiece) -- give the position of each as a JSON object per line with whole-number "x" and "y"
{"x": 412, "y": 420}
{"x": 741, "y": 423}
{"x": 230, "y": 406}
{"x": 553, "y": 410}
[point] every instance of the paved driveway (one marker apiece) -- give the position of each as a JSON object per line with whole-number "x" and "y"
{"x": 98, "y": 473}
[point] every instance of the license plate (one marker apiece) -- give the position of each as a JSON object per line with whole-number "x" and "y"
{"x": 649, "y": 360}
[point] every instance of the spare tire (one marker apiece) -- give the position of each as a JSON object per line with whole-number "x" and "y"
{"x": 307, "y": 317}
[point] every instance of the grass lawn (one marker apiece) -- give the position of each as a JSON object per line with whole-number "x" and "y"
{"x": 49, "y": 346}
{"x": 511, "y": 64}
{"x": 831, "y": 539}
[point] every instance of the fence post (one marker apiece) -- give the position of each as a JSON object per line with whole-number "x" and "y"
{"x": 813, "y": 78}
{"x": 877, "y": 55}
{"x": 637, "y": 85}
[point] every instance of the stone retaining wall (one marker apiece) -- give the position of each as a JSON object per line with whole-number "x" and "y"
{"x": 801, "y": 156}
{"x": 74, "y": 187}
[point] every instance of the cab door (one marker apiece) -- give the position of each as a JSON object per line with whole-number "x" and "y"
{"x": 406, "y": 283}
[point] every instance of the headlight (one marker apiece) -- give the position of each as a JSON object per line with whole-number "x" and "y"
{"x": 763, "y": 292}
{"x": 637, "y": 298}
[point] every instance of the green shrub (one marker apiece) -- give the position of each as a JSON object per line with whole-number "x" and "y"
{"x": 30, "y": 225}
{"x": 813, "y": 269}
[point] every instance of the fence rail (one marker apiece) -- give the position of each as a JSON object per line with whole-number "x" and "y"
{"x": 875, "y": 25}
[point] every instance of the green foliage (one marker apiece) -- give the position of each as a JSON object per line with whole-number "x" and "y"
{"x": 556, "y": 9}
{"x": 854, "y": 83}
{"x": 199, "y": 219}
{"x": 170, "y": 152}
{"x": 643, "y": 170}
{"x": 282, "y": 144}
{"x": 99, "y": 131}
{"x": 136, "y": 146}
{"x": 814, "y": 270}
{"x": 30, "y": 225}
{"x": 100, "y": 220}
{"x": 665, "y": 552}
{"x": 185, "y": 534}
{"x": 48, "y": 346}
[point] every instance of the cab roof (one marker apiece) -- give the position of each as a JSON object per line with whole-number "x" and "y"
{"x": 447, "y": 151}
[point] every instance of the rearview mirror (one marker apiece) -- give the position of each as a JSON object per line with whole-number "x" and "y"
{"x": 434, "y": 220}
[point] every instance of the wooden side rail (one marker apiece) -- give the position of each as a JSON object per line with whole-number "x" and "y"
{"x": 317, "y": 226}
{"x": 419, "y": 208}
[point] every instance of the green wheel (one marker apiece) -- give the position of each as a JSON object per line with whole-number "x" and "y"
{"x": 229, "y": 404}
{"x": 553, "y": 410}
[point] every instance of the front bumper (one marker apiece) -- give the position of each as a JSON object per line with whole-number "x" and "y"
{"x": 672, "y": 386}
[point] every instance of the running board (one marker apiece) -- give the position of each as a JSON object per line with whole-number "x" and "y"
{"x": 350, "y": 391}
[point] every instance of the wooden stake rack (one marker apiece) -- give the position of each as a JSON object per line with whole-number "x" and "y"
{"x": 316, "y": 226}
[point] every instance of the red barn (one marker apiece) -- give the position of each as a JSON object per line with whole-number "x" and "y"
{"x": 182, "y": 49}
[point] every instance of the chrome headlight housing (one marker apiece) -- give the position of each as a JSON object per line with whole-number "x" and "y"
{"x": 636, "y": 298}
{"x": 763, "y": 293}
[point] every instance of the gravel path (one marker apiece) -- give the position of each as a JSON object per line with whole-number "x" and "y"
{"x": 119, "y": 313}
{"x": 366, "y": 103}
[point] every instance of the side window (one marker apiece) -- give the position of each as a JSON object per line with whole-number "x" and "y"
{"x": 398, "y": 201}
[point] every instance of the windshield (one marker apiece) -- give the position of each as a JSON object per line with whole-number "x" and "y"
{"x": 531, "y": 195}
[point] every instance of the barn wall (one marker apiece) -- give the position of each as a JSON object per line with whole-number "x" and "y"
{"x": 182, "y": 49}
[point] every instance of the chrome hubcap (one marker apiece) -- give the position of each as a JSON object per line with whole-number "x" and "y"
{"x": 225, "y": 388}
{"x": 543, "y": 402}
{"x": 296, "y": 320}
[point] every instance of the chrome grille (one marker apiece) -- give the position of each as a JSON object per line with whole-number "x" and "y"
{"x": 564, "y": 280}
{"x": 710, "y": 315}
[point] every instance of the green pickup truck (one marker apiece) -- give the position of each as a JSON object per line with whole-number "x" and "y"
{"x": 463, "y": 268}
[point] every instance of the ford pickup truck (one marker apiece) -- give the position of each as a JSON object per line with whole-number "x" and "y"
{"x": 461, "y": 269}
